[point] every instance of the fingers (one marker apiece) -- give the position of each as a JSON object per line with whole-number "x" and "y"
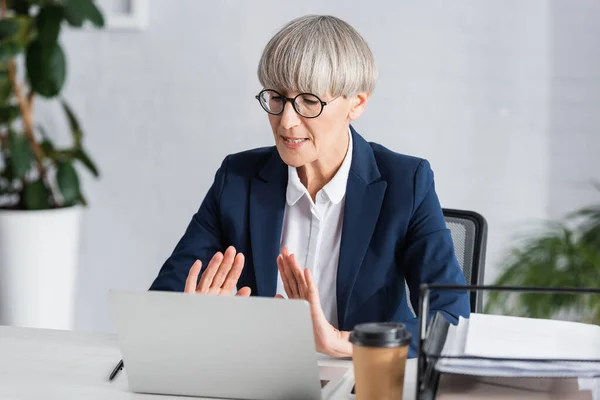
{"x": 314, "y": 300}
{"x": 290, "y": 276}
{"x": 223, "y": 270}
{"x": 278, "y": 296}
{"x": 221, "y": 276}
{"x": 244, "y": 292}
{"x": 192, "y": 278}
{"x": 298, "y": 276}
{"x": 283, "y": 275}
{"x": 208, "y": 275}
{"x": 313, "y": 290}
{"x": 234, "y": 274}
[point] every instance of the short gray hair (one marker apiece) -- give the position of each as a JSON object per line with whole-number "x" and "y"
{"x": 318, "y": 54}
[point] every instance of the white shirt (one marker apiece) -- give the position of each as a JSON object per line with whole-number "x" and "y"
{"x": 313, "y": 231}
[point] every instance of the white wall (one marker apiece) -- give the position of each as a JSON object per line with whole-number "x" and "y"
{"x": 574, "y": 105}
{"x": 466, "y": 84}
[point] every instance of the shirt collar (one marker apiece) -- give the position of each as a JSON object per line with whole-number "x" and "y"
{"x": 335, "y": 188}
{"x": 295, "y": 188}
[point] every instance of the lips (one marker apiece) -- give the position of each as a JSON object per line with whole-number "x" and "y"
{"x": 293, "y": 143}
{"x": 293, "y": 140}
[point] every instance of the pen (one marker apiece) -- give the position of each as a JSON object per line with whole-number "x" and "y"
{"x": 116, "y": 370}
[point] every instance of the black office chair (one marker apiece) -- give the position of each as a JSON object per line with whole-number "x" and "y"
{"x": 469, "y": 234}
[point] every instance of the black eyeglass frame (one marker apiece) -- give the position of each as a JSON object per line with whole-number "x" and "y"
{"x": 292, "y": 102}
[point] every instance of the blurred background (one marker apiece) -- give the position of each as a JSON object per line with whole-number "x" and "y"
{"x": 501, "y": 96}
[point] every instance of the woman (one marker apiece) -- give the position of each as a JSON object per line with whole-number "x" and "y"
{"x": 361, "y": 218}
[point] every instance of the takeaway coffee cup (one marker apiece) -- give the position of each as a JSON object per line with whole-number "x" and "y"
{"x": 379, "y": 358}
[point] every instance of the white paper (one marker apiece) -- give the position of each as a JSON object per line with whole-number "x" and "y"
{"x": 515, "y": 337}
{"x": 493, "y": 336}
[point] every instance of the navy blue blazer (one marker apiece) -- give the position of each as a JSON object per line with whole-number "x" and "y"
{"x": 393, "y": 230}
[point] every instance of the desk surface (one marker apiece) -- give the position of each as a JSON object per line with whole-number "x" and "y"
{"x": 52, "y": 364}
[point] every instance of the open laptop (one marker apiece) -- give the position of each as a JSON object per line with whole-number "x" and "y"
{"x": 223, "y": 347}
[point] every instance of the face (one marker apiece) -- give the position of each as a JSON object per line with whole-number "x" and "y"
{"x": 301, "y": 141}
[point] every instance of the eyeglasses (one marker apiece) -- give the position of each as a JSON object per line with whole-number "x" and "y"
{"x": 306, "y": 105}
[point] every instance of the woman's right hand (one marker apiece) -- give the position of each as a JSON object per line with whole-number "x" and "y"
{"x": 220, "y": 277}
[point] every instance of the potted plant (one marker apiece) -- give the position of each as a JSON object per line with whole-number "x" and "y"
{"x": 566, "y": 253}
{"x": 40, "y": 193}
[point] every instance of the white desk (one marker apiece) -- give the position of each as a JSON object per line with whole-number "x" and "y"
{"x": 48, "y": 364}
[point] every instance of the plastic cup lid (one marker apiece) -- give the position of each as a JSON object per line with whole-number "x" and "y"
{"x": 380, "y": 334}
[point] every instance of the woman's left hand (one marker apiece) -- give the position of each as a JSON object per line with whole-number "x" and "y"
{"x": 299, "y": 284}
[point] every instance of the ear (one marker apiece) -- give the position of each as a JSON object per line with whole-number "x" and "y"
{"x": 358, "y": 105}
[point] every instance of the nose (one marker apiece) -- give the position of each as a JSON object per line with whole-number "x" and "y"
{"x": 289, "y": 116}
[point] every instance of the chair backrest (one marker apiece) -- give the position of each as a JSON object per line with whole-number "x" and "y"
{"x": 469, "y": 234}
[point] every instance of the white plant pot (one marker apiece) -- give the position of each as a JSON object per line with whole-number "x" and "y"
{"x": 38, "y": 267}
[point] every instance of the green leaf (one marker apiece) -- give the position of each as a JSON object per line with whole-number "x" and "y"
{"x": 48, "y": 23}
{"x": 73, "y": 14}
{"x": 63, "y": 156}
{"x": 82, "y": 200}
{"x": 21, "y": 7}
{"x": 26, "y": 33}
{"x": 7, "y": 172}
{"x": 8, "y": 27}
{"x": 68, "y": 182}
{"x": 21, "y": 155}
{"x": 9, "y": 114}
{"x": 46, "y": 144}
{"x": 9, "y": 49}
{"x": 78, "y": 11}
{"x": 46, "y": 68}
{"x": 82, "y": 156}
{"x": 5, "y": 90}
{"x": 95, "y": 15}
{"x": 36, "y": 196}
{"x": 73, "y": 123}
{"x": 47, "y": 148}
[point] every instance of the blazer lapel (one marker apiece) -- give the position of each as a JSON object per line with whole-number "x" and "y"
{"x": 267, "y": 205}
{"x": 364, "y": 195}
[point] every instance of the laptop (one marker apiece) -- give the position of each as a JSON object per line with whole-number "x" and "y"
{"x": 220, "y": 347}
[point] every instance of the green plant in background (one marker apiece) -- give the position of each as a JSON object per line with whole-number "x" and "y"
{"x": 34, "y": 173}
{"x": 565, "y": 254}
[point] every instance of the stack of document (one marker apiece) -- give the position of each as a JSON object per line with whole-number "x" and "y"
{"x": 489, "y": 340}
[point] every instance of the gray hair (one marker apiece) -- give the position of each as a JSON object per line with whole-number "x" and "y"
{"x": 318, "y": 54}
